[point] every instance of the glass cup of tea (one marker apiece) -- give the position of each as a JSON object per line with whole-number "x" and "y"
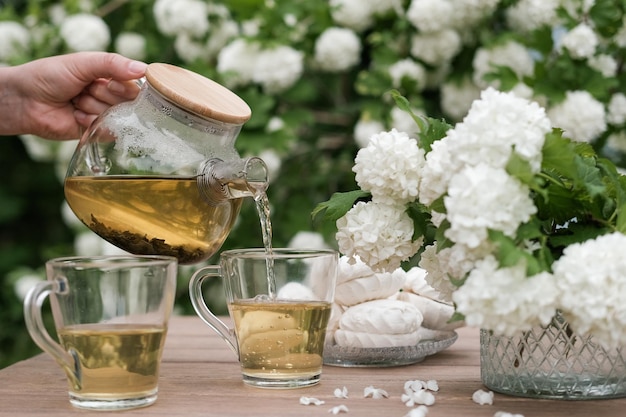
{"x": 110, "y": 314}
{"x": 280, "y": 304}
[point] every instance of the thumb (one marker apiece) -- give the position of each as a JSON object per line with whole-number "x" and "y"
{"x": 88, "y": 66}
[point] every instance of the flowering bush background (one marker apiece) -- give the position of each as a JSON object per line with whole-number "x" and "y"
{"x": 317, "y": 76}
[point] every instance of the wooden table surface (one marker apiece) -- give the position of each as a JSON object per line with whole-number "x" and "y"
{"x": 200, "y": 377}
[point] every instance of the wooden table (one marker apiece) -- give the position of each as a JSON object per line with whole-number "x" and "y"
{"x": 200, "y": 377}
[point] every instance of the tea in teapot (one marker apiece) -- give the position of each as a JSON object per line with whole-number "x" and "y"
{"x": 160, "y": 174}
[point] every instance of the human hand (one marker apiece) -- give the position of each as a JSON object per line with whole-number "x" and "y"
{"x": 56, "y": 97}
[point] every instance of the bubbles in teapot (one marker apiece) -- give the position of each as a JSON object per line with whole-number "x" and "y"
{"x": 142, "y": 150}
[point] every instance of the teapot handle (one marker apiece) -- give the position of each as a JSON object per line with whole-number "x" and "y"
{"x": 223, "y": 180}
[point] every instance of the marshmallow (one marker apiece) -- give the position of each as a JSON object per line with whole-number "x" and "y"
{"x": 348, "y": 338}
{"x": 436, "y": 314}
{"x": 369, "y": 287}
{"x": 415, "y": 282}
{"x": 382, "y": 317}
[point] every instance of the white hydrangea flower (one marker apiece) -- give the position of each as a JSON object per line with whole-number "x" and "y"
{"x": 85, "y": 32}
{"x": 591, "y": 277}
{"x": 131, "y": 45}
{"x": 365, "y": 129}
{"x": 505, "y": 123}
{"x": 188, "y": 48}
{"x": 409, "y": 69}
{"x": 25, "y": 283}
{"x": 616, "y": 114}
{"x": 238, "y": 60}
{"x": 430, "y": 15}
{"x": 457, "y": 97}
{"x": 523, "y": 90}
{"x": 275, "y": 124}
{"x": 528, "y": 15}
{"x": 88, "y": 243}
{"x": 39, "y": 149}
{"x": 581, "y": 116}
{"x": 56, "y": 14}
{"x": 337, "y": 49}
{"x": 617, "y": 142}
{"x": 512, "y": 54}
{"x": 278, "y": 68}
{"x": 481, "y": 198}
{"x": 181, "y": 16}
{"x": 436, "y": 48}
{"x": 505, "y": 300}
{"x": 379, "y": 234}
{"x": 14, "y": 40}
{"x": 221, "y": 33}
{"x": 453, "y": 262}
{"x": 581, "y": 41}
{"x": 495, "y": 126}
{"x": 273, "y": 162}
{"x": 605, "y": 64}
{"x": 250, "y": 28}
{"x": 308, "y": 240}
{"x": 353, "y": 14}
{"x": 389, "y": 167}
{"x": 437, "y": 277}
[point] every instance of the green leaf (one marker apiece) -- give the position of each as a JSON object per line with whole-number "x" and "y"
{"x": 520, "y": 168}
{"x": 505, "y": 75}
{"x": 422, "y": 227}
{"x": 442, "y": 241}
{"x": 620, "y": 223}
{"x": 607, "y": 16}
{"x": 338, "y": 204}
{"x": 509, "y": 254}
{"x": 404, "y": 105}
{"x": 589, "y": 176}
{"x": 559, "y": 154}
{"x": 436, "y": 130}
{"x": 576, "y": 233}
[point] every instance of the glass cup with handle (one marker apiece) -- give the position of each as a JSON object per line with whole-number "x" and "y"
{"x": 280, "y": 305}
{"x": 110, "y": 315}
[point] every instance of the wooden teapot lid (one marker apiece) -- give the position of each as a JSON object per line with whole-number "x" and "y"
{"x": 197, "y": 94}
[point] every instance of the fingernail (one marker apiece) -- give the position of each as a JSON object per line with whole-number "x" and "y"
{"x": 116, "y": 87}
{"x": 80, "y": 116}
{"x": 137, "y": 67}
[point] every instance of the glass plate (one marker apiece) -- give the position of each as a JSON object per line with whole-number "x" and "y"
{"x": 336, "y": 355}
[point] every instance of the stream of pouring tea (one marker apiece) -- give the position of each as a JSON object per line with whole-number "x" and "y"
{"x": 263, "y": 208}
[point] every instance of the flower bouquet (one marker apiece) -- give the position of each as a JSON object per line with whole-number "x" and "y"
{"x": 512, "y": 221}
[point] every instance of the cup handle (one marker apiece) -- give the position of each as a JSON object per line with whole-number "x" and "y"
{"x": 197, "y": 300}
{"x": 34, "y": 323}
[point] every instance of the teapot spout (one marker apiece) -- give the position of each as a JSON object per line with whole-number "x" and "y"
{"x": 225, "y": 180}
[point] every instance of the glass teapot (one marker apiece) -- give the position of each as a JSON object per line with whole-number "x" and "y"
{"x": 160, "y": 174}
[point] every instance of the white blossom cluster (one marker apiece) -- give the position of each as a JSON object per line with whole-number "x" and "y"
{"x": 466, "y": 170}
{"x": 380, "y": 232}
{"x": 337, "y": 49}
{"x": 275, "y": 69}
{"x": 590, "y": 277}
